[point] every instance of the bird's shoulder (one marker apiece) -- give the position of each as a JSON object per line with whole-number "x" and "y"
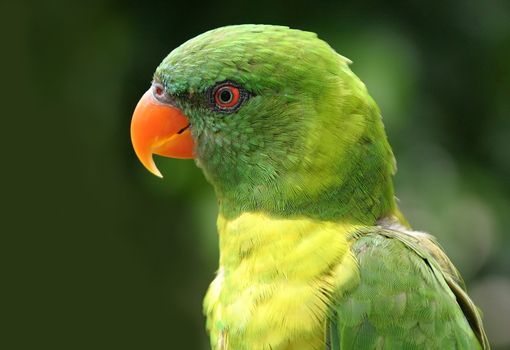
{"x": 409, "y": 294}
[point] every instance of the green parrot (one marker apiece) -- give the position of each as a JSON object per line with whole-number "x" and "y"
{"x": 314, "y": 252}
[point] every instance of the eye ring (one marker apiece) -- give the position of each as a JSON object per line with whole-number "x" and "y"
{"x": 227, "y": 96}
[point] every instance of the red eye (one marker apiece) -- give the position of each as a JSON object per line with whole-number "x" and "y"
{"x": 227, "y": 96}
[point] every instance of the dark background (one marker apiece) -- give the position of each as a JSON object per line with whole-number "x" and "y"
{"x": 99, "y": 254}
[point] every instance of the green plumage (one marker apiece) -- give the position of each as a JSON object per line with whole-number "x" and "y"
{"x": 406, "y": 298}
{"x": 315, "y": 253}
{"x": 309, "y": 126}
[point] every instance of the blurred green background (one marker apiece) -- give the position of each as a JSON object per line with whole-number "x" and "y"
{"x": 99, "y": 254}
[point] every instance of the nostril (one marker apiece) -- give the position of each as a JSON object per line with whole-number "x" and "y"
{"x": 160, "y": 93}
{"x": 158, "y": 90}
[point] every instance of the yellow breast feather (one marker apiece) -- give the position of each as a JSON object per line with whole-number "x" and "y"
{"x": 275, "y": 280}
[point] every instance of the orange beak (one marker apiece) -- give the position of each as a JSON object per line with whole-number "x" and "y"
{"x": 161, "y": 129}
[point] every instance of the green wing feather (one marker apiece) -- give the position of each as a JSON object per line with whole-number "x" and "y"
{"x": 410, "y": 296}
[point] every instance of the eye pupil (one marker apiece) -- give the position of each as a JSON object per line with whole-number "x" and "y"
{"x": 226, "y": 96}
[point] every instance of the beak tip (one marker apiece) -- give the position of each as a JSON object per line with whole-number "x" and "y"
{"x": 147, "y": 161}
{"x": 151, "y": 166}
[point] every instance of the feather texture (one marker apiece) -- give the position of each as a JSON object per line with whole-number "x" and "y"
{"x": 410, "y": 296}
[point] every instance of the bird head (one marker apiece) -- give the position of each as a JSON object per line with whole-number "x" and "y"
{"x": 273, "y": 116}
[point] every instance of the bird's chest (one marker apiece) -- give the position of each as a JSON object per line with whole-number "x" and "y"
{"x": 273, "y": 290}
{"x": 275, "y": 315}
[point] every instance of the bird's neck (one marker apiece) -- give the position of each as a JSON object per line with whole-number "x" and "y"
{"x": 355, "y": 193}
